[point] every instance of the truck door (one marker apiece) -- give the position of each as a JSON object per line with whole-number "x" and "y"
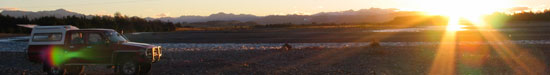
{"x": 76, "y": 49}
{"x": 87, "y": 48}
{"x": 97, "y": 42}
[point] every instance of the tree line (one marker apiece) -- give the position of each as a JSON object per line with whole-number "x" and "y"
{"x": 120, "y": 22}
{"x": 503, "y": 18}
{"x": 117, "y": 22}
{"x": 531, "y": 16}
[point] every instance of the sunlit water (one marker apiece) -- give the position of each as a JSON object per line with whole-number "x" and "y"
{"x": 431, "y": 28}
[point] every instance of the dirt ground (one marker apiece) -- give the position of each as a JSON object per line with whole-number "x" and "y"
{"x": 407, "y": 60}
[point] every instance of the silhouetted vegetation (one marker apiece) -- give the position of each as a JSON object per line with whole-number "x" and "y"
{"x": 117, "y": 22}
{"x": 531, "y": 16}
{"x": 503, "y": 18}
{"x": 283, "y": 25}
{"x": 219, "y": 23}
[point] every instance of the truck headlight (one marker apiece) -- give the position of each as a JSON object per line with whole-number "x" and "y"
{"x": 159, "y": 51}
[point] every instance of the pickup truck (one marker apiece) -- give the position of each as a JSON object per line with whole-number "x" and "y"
{"x": 67, "y": 50}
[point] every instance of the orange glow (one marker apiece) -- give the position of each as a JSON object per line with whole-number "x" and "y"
{"x": 456, "y": 27}
{"x": 472, "y": 10}
{"x": 445, "y": 60}
{"x": 454, "y": 24}
{"x": 472, "y": 56}
{"x": 517, "y": 58}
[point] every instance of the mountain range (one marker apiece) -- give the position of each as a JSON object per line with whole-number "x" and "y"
{"x": 59, "y": 13}
{"x": 371, "y": 15}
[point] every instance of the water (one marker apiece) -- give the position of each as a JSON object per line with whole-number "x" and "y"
{"x": 11, "y": 39}
{"x": 434, "y": 28}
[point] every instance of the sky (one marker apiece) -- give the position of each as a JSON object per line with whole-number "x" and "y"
{"x": 175, "y": 8}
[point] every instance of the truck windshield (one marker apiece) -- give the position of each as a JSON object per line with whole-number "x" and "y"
{"x": 115, "y": 37}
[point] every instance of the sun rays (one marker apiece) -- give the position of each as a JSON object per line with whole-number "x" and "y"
{"x": 452, "y": 57}
{"x": 444, "y": 62}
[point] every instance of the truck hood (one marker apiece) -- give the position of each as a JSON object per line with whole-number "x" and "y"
{"x": 136, "y": 44}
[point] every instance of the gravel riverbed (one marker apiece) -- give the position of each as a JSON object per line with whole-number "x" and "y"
{"x": 404, "y": 60}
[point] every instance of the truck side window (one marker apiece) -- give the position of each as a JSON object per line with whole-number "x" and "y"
{"x": 77, "y": 38}
{"x": 45, "y": 37}
{"x": 95, "y": 38}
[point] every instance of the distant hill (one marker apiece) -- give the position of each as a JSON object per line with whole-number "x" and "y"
{"x": 57, "y": 13}
{"x": 371, "y": 15}
{"x": 213, "y": 17}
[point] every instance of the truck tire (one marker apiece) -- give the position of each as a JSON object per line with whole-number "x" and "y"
{"x": 50, "y": 70}
{"x": 127, "y": 68}
{"x": 74, "y": 70}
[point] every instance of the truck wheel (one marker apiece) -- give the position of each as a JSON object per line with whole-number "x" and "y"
{"x": 145, "y": 68}
{"x": 127, "y": 68}
{"x": 54, "y": 70}
{"x": 74, "y": 70}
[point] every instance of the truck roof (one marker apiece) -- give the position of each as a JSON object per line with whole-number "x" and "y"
{"x": 57, "y": 33}
{"x": 65, "y": 27}
{"x": 93, "y": 29}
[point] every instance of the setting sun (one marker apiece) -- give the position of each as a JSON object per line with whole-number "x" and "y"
{"x": 471, "y": 10}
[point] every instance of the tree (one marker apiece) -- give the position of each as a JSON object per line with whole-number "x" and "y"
{"x": 117, "y": 22}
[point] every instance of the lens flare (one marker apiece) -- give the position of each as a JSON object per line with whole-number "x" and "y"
{"x": 53, "y": 55}
{"x": 470, "y": 59}
{"x": 56, "y": 55}
{"x": 454, "y": 24}
{"x": 445, "y": 60}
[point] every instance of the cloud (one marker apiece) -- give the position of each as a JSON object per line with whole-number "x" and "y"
{"x": 163, "y": 15}
{"x": 8, "y": 8}
{"x": 514, "y": 9}
{"x": 103, "y": 12}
